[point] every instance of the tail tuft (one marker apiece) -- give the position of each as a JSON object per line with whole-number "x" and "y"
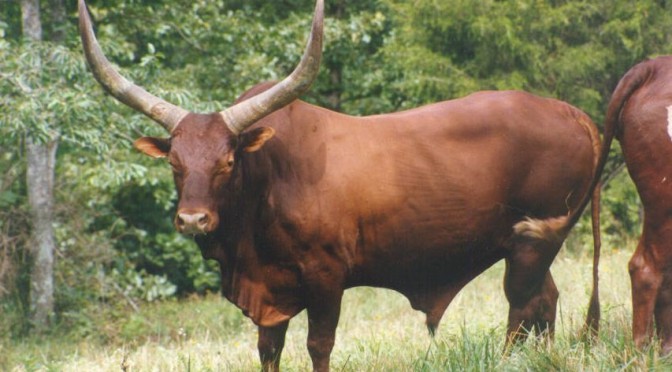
{"x": 551, "y": 229}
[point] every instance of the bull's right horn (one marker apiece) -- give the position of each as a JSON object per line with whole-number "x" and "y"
{"x": 159, "y": 110}
{"x": 246, "y": 113}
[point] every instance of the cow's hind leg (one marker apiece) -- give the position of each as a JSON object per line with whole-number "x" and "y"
{"x": 530, "y": 289}
{"x": 663, "y": 312}
{"x": 270, "y": 344}
{"x": 661, "y": 251}
{"x": 646, "y": 282}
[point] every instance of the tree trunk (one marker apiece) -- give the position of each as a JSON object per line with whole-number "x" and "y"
{"x": 40, "y": 180}
{"x": 58, "y": 20}
{"x": 40, "y": 183}
{"x": 336, "y": 71}
{"x": 30, "y": 17}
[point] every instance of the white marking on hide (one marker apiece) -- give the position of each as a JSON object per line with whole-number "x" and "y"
{"x": 669, "y": 121}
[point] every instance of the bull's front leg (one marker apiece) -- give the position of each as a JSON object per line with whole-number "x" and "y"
{"x": 270, "y": 344}
{"x": 323, "y": 314}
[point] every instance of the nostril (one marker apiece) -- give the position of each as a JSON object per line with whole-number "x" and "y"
{"x": 203, "y": 220}
{"x": 179, "y": 221}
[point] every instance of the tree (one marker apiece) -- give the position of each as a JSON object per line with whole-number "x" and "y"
{"x": 572, "y": 50}
{"x": 49, "y": 99}
{"x": 46, "y": 94}
{"x": 41, "y": 157}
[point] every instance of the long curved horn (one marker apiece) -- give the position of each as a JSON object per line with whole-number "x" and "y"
{"x": 164, "y": 113}
{"x": 244, "y": 114}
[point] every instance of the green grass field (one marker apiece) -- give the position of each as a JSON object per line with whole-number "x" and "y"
{"x": 378, "y": 331}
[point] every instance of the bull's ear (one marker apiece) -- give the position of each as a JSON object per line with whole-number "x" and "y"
{"x": 255, "y": 139}
{"x": 152, "y": 146}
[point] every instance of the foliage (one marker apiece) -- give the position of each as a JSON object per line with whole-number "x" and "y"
{"x": 46, "y": 92}
{"x": 573, "y": 50}
{"x": 623, "y": 217}
{"x": 220, "y": 49}
{"x": 150, "y": 242}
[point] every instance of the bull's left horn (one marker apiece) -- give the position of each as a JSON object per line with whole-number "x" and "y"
{"x": 164, "y": 113}
{"x": 246, "y": 113}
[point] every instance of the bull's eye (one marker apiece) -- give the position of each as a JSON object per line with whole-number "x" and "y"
{"x": 228, "y": 160}
{"x": 177, "y": 174}
{"x": 176, "y": 169}
{"x": 225, "y": 165}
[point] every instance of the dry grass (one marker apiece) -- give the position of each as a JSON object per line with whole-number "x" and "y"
{"x": 379, "y": 331}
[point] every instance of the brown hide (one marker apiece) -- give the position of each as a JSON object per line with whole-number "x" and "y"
{"x": 420, "y": 201}
{"x": 640, "y": 116}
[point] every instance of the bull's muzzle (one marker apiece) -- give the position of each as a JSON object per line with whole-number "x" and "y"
{"x": 195, "y": 222}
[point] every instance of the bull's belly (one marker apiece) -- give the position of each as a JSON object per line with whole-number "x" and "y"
{"x": 432, "y": 279}
{"x": 418, "y": 267}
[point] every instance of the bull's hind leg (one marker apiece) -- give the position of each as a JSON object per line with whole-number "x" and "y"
{"x": 530, "y": 289}
{"x": 270, "y": 344}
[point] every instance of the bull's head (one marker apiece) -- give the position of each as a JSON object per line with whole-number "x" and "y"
{"x": 202, "y": 148}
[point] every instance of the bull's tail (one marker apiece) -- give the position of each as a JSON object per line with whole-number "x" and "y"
{"x": 592, "y": 325}
{"x": 630, "y": 83}
{"x": 550, "y": 229}
{"x": 555, "y": 230}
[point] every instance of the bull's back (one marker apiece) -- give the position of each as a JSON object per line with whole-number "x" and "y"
{"x": 511, "y": 149}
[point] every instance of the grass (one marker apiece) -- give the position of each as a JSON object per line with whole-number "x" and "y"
{"x": 378, "y": 331}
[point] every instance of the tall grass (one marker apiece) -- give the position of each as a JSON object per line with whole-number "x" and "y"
{"x": 378, "y": 331}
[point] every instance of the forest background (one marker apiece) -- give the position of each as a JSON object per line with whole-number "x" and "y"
{"x": 115, "y": 246}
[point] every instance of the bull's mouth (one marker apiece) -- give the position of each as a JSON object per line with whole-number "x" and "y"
{"x": 206, "y": 244}
{"x": 200, "y": 239}
{"x": 192, "y": 232}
